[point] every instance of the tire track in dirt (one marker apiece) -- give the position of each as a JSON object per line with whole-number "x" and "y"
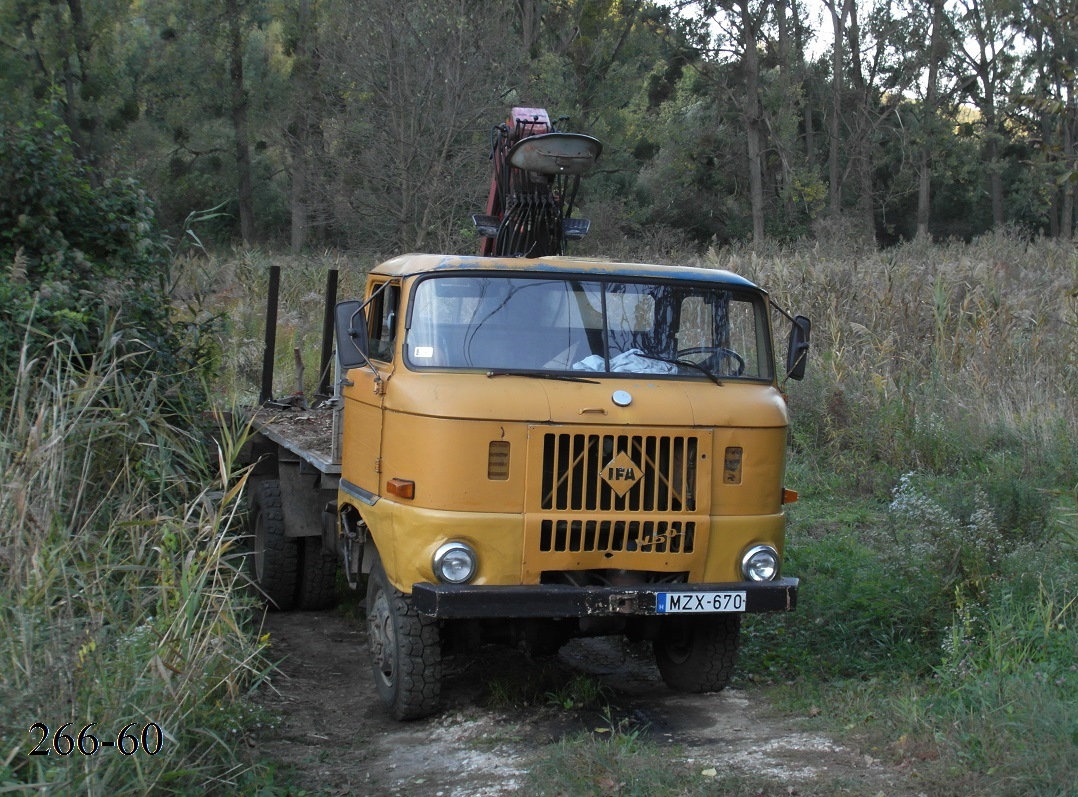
{"x": 334, "y": 736}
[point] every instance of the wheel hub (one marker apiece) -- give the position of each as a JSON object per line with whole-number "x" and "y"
{"x": 679, "y": 644}
{"x": 382, "y": 638}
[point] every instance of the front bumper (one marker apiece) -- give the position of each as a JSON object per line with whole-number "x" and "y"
{"x": 464, "y": 601}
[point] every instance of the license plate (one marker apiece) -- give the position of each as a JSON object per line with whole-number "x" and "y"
{"x": 699, "y": 602}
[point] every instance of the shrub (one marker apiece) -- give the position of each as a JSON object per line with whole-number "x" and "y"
{"x": 75, "y": 254}
{"x": 1003, "y": 696}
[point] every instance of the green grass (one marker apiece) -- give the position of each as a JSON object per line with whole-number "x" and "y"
{"x": 550, "y": 685}
{"x": 581, "y": 692}
{"x": 610, "y": 761}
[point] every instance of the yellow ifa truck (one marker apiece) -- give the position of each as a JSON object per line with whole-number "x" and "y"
{"x": 528, "y": 449}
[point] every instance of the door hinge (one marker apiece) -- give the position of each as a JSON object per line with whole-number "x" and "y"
{"x": 378, "y": 465}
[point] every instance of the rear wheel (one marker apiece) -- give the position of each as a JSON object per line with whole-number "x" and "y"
{"x": 317, "y": 575}
{"x": 697, "y": 654}
{"x": 406, "y": 654}
{"x": 273, "y": 562}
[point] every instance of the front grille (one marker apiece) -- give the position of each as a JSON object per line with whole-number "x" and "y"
{"x": 596, "y": 472}
{"x": 645, "y": 536}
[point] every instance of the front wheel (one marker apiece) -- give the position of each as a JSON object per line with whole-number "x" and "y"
{"x": 406, "y": 654}
{"x": 697, "y": 654}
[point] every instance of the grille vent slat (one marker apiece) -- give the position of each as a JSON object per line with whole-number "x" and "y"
{"x": 645, "y": 536}
{"x": 573, "y": 464}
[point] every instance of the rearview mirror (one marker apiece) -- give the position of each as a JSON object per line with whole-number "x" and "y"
{"x": 797, "y": 354}
{"x": 352, "y": 340}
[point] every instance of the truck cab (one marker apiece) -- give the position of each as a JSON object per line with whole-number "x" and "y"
{"x": 534, "y": 449}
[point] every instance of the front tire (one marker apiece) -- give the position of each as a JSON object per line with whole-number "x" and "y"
{"x": 698, "y": 654}
{"x": 406, "y": 656}
{"x": 273, "y": 561}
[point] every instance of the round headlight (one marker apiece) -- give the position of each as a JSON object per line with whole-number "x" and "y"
{"x": 760, "y": 563}
{"x": 454, "y": 563}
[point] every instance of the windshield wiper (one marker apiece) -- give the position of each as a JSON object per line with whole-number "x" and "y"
{"x": 687, "y": 364}
{"x": 542, "y": 375}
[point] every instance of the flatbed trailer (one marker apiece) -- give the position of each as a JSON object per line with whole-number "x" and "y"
{"x": 295, "y": 458}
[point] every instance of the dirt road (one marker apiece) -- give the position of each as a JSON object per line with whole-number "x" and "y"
{"x": 335, "y": 735}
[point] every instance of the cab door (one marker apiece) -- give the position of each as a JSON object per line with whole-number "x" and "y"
{"x": 364, "y": 393}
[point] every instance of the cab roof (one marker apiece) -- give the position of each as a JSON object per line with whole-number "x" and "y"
{"x": 415, "y": 264}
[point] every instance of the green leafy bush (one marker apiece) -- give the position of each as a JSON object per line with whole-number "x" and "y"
{"x": 74, "y": 254}
{"x": 1004, "y": 690}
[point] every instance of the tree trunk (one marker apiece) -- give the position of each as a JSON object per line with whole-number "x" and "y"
{"x": 244, "y": 190}
{"x": 806, "y": 85}
{"x": 530, "y": 15}
{"x": 992, "y": 134}
{"x": 985, "y": 65}
{"x": 790, "y": 106}
{"x": 1066, "y": 221}
{"x": 70, "y": 106}
{"x": 752, "y": 122}
{"x": 299, "y": 193}
{"x": 834, "y": 168}
{"x": 81, "y": 36}
{"x": 924, "y": 189}
{"x": 861, "y": 155}
{"x": 995, "y": 168}
{"x": 299, "y": 131}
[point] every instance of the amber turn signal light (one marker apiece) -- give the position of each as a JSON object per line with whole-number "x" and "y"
{"x": 402, "y": 488}
{"x": 789, "y": 496}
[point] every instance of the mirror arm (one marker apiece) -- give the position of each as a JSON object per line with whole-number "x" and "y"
{"x": 801, "y": 355}
{"x": 781, "y": 309}
{"x": 352, "y": 334}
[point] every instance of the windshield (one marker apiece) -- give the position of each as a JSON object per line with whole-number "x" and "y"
{"x": 540, "y": 324}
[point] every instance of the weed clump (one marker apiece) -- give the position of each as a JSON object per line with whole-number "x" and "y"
{"x": 120, "y": 617}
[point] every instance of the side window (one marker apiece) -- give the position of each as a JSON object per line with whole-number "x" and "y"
{"x": 382, "y": 323}
{"x": 744, "y": 336}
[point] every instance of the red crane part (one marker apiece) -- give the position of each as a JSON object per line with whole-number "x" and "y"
{"x": 537, "y": 172}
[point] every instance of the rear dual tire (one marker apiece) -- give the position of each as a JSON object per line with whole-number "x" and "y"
{"x": 287, "y": 572}
{"x": 317, "y": 587}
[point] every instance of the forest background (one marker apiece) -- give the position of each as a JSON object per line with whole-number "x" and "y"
{"x": 903, "y": 172}
{"x": 366, "y": 125}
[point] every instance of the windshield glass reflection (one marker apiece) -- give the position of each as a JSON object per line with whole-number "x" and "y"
{"x": 516, "y": 323}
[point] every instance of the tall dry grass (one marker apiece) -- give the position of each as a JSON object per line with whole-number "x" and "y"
{"x": 950, "y": 346}
{"x": 120, "y": 597}
{"x": 232, "y": 288}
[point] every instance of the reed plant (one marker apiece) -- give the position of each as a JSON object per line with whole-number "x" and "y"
{"x": 121, "y": 600}
{"x": 231, "y": 287}
{"x": 932, "y": 356}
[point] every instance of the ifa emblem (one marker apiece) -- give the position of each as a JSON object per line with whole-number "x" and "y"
{"x": 621, "y": 473}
